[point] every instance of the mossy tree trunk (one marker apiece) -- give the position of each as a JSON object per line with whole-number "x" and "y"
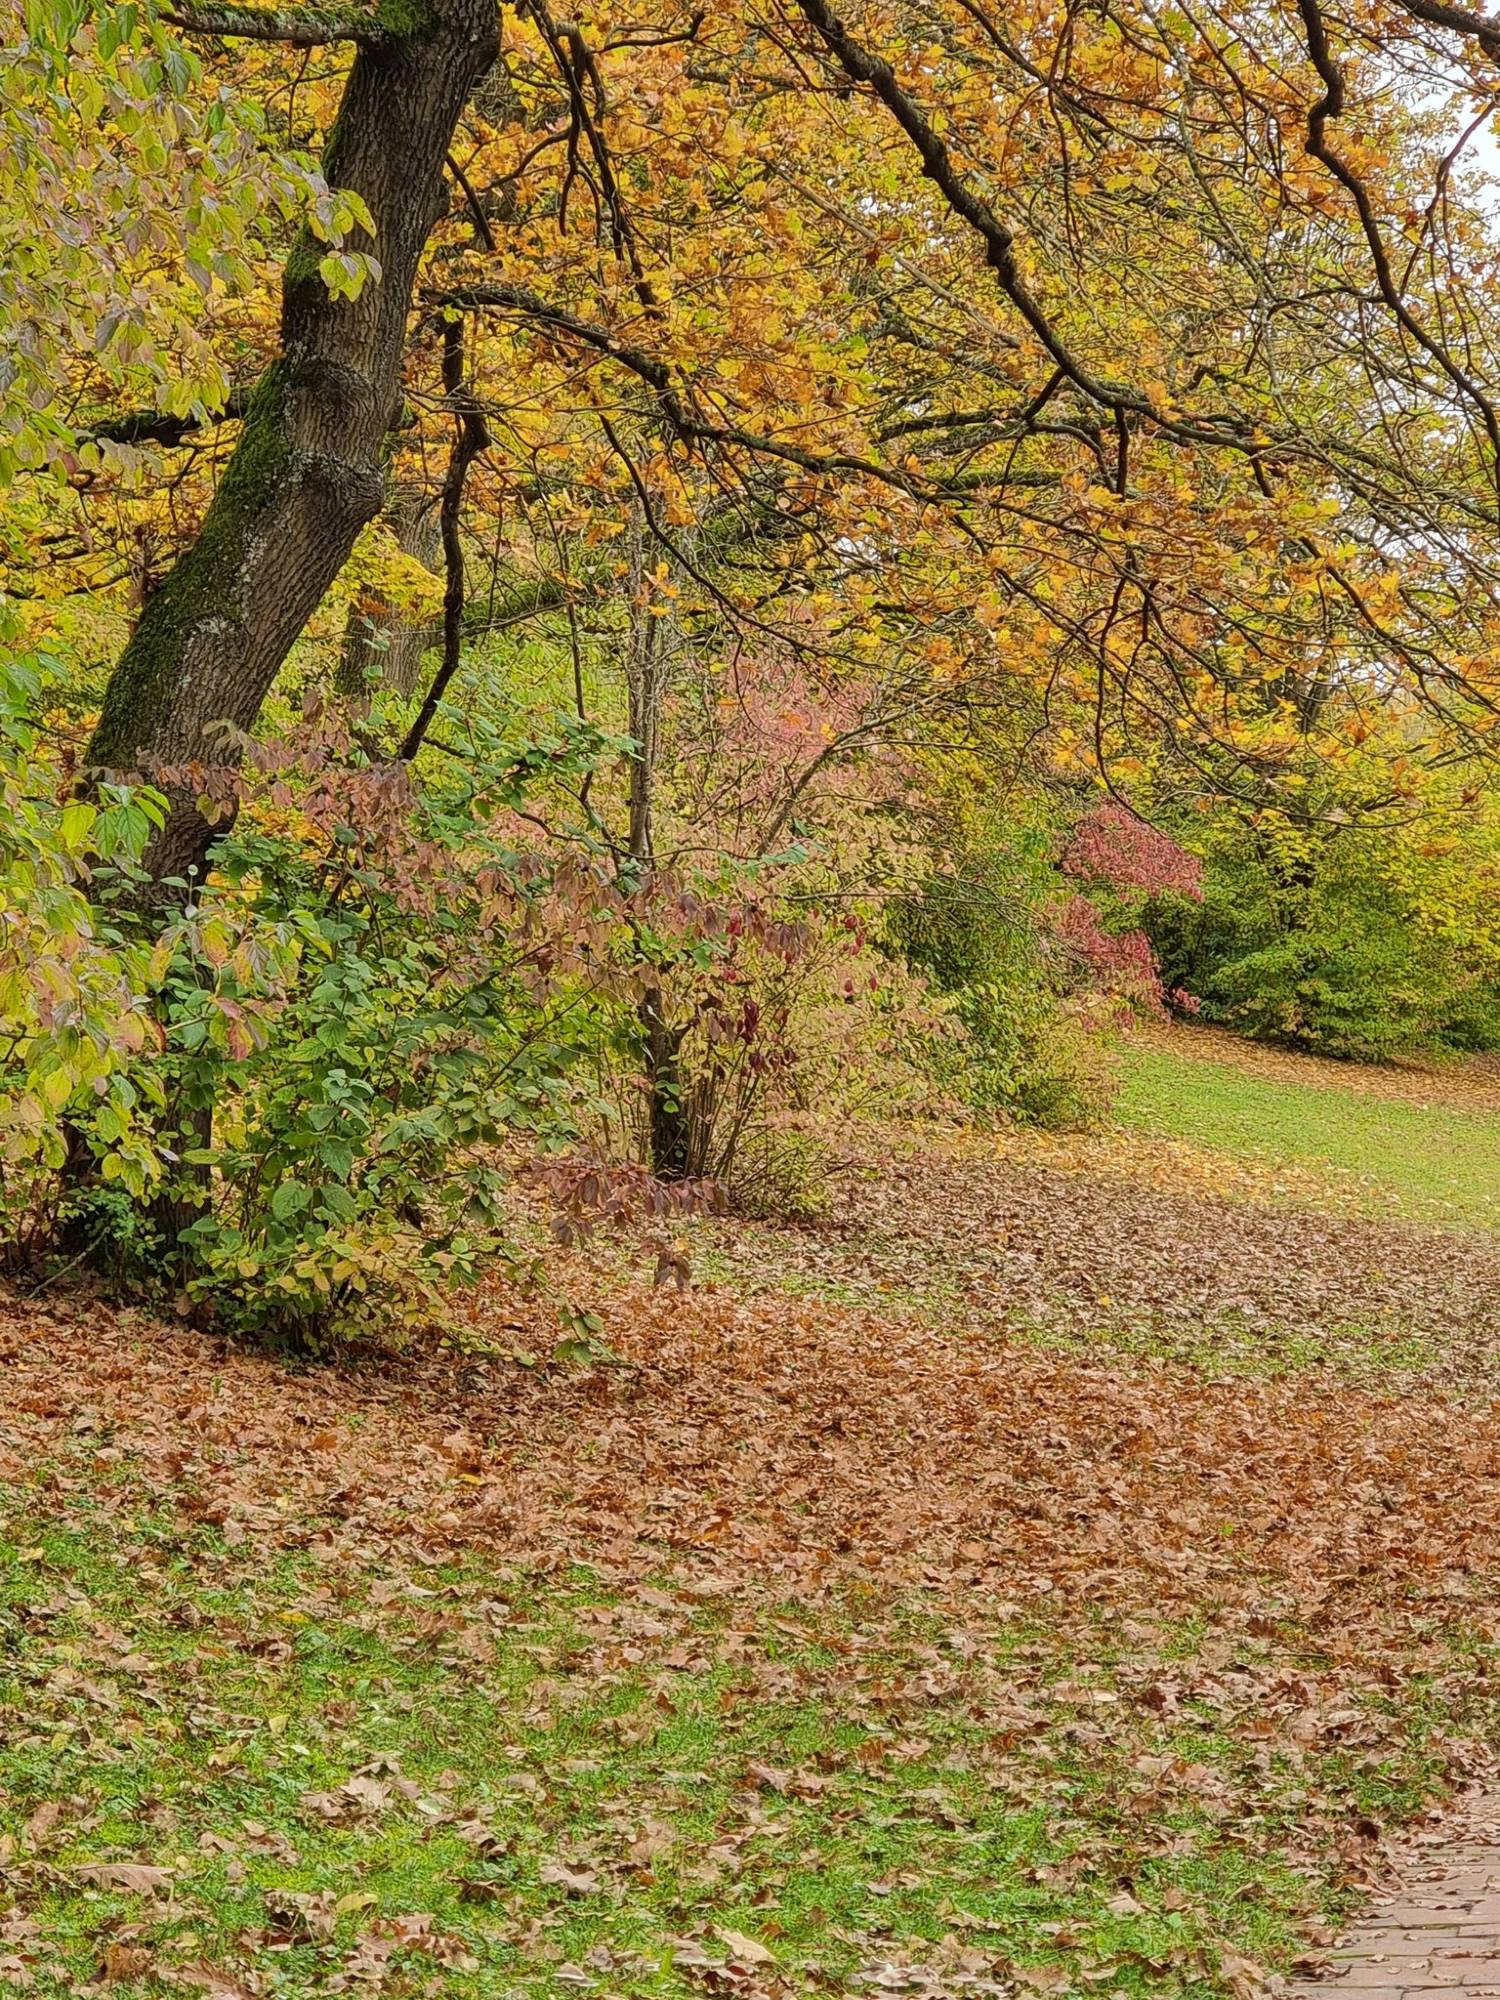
{"x": 379, "y": 643}
{"x": 306, "y": 474}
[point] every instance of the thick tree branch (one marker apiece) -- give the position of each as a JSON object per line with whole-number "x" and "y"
{"x": 876, "y": 73}
{"x": 154, "y": 427}
{"x": 1482, "y": 29}
{"x": 313, "y": 29}
{"x": 1118, "y": 397}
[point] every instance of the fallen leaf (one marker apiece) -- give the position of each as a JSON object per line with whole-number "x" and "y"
{"x": 42, "y": 1822}
{"x": 748, "y": 1950}
{"x": 577, "y": 1881}
{"x": 213, "y": 1984}
{"x": 124, "y": 1961}
{"x": 137, "y": 1878}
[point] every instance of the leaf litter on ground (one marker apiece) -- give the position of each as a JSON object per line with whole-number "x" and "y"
{"x": 813, "y": 1639}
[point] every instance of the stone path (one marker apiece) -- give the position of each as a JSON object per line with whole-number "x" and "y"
{"x": 1437, "y": 1930}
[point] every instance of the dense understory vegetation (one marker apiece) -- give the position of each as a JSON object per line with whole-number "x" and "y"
{"x": 784, "y": 662}
{"x": 297, "y": 1096}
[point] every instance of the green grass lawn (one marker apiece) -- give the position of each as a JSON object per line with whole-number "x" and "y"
{"x": 296, "y": 1760}
{"x": 1427, "y": 1164}
{"x": 256, "y": 1775}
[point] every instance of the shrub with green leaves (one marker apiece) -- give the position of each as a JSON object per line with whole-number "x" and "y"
{"x": 981, "y": 931}
{"x": 372, "y": 992}
{"x": 342, "y": 1169}
{"x": 75, "y": 1012}
{"x": 1361, "y": 941}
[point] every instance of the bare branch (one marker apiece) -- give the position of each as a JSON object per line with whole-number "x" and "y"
{"x": 471, "y": 437}
{"x": 481, "y": 221}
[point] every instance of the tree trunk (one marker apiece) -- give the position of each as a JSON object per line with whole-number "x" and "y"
{"x": 669, "y": 1126}
{"x": 306, "y": 473}
{"x": 378, "y": 641}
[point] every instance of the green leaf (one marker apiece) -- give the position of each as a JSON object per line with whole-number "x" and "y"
{"x": 338, "y": 1203}
{"x": 288, "y": 1199}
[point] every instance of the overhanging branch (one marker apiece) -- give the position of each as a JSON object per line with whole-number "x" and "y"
{"x": 1120, "y": 398}
{"x": 1480, "y": 27}
{"x": 312, "y": 29}
{"x": 155, "y": 427}
{"x": 674, "y": 407}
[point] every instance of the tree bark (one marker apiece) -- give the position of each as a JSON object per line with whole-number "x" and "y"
{"x": 306, "y": 473}
{"x": 669, "y": 1117}
{"x": 378, "y": 641}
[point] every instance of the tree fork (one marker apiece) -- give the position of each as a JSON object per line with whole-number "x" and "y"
{"x": 305, "y": 475}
